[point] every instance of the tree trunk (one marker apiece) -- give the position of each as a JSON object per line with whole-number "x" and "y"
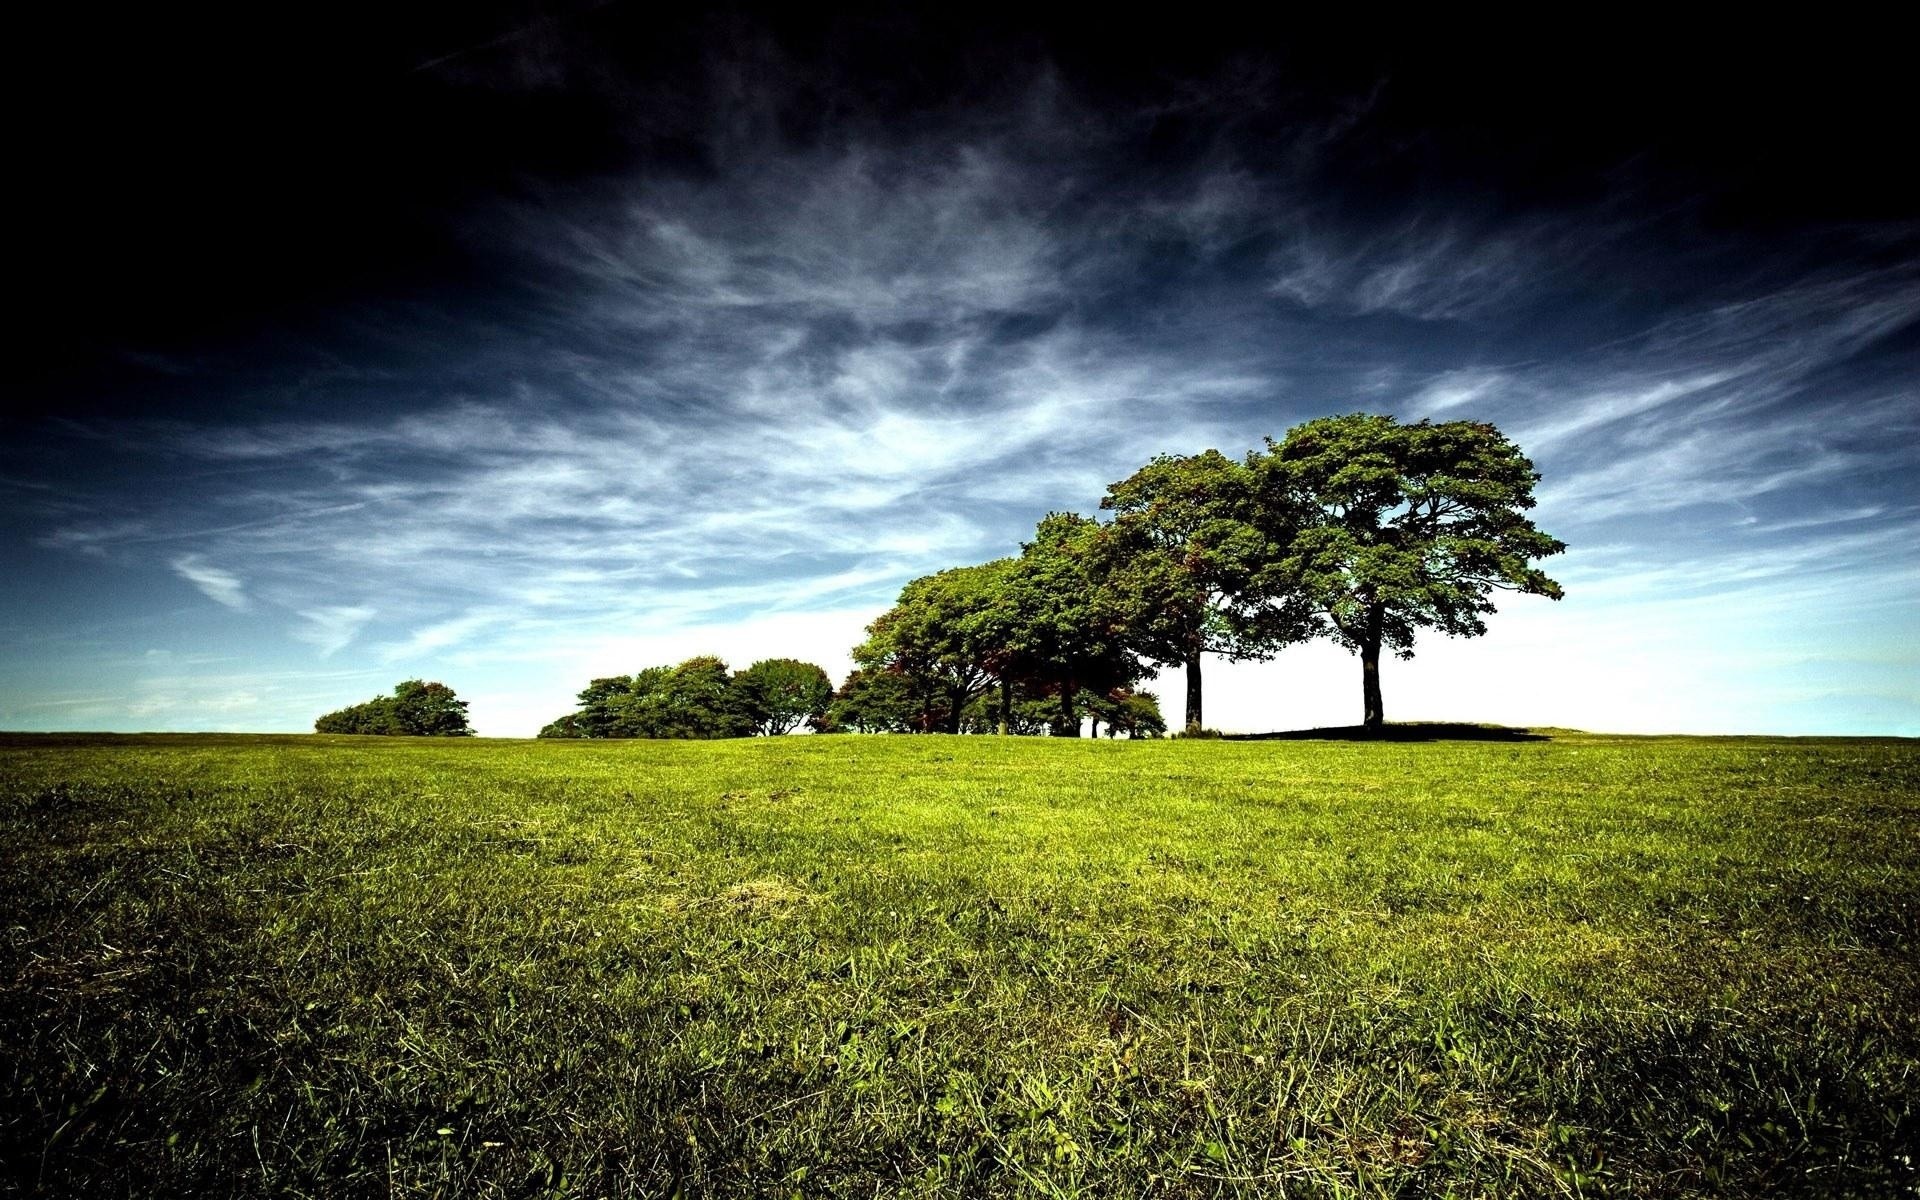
{"x": 1374, "y": 716}
{"x": 1093, "y": 728}
{"x": 956, "y": 703}
{"x": 1069, "y": 725}
{"x": 1006, "y": 706}
{"x": 1193, "y": 693}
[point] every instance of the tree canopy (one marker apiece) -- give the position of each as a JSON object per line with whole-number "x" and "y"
{"x": 1381, "y": 529}
{"x": 782, "y": 694}
{"x": 699, "y": 698}
{"x": 1055, "y": 624}
{"x": 1183, "y": 566}
{"x": 1356, "y": 528}
{"x": 939, "y": 636}
{"x": 880, "y": 701}
{"x": 416, "y": 709}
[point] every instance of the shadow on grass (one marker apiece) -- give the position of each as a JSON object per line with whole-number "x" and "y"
{"x": 1412, "y": 731}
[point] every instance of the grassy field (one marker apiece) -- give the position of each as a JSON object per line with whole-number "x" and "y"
{"x": 977, "y": 967}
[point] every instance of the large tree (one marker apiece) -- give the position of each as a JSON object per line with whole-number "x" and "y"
{"x": 1184, "y": 556}
{"x": 698, "y": 700}
{"x": 614, "y": 706}
{"x": 1384, "y": 529}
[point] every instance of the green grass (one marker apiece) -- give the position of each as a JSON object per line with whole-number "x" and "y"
{"x": 974, "y": 967}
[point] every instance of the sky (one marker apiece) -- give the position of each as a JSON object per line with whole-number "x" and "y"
{"x": 513, "y": 345}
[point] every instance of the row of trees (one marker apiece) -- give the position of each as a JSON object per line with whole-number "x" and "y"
{"x": 1355, "y": 528}
{"x": 700, "y": 698}
{"x": 416, "y": 709}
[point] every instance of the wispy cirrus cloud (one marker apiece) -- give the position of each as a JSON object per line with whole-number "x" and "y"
{"x": 332, "y": 628}
{"x": 215, "y": 583}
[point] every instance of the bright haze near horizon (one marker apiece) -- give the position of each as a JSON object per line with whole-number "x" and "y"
{"x": 511, "y": 346}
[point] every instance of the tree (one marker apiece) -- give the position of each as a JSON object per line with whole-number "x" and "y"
{"x": 1382, "y": 529}
{"x": 1123, "y": 710}
{"x": 935, "y": 638}
{"x": 875, "y": 702}
{"x": 430, "y": 710}
{"x": 1185, "y": 552}
{"x": 1051, "y": 623}
{"x": 781, "y": 694}
{"x": 563, "y": 727}
{"x": 696, "y": 699}
{"x": 416, "y": 709}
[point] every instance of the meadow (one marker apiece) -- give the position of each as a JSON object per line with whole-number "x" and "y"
{"x": 1575, "y": 965}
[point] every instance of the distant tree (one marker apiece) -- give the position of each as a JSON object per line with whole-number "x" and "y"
{"x": 416, "y": 708}
{"x": 1051, "y": 624}
{"x": 1185, "y": 552}
{"x": 933, "y": 638}
{"x": 635, "y": 710}
{"x": 1381, "y": 529}
{"x": 603, "y": 704}
{"x": 430, "y": 710}
{"x": 782, "y": 694}
{"x": 1122, "y": 710}
{"x": 564, "y": 727}
{"x": 376, "y": 716}
{"x": 696, "y": 699}
{"x": 879, "y": 701}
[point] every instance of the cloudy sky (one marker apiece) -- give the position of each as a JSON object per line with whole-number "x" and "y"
{"x": 513, "y": 345}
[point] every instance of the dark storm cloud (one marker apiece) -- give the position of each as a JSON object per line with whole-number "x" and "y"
{"x": 509, "y": 329}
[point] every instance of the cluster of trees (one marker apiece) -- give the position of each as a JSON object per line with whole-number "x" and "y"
{"x": 416, "y": 708}
{"x": 701, "y": 698}
{"x": 1355, "y": 528}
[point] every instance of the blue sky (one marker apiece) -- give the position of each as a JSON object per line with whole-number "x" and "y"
{"x": 730, "y": 408}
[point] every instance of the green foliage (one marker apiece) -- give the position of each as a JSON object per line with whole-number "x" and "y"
{"x": 1125, "y": 711}
{"x": 416, "y": 709}
{"x": 1383, "y": 529}
{"x": 939, "y": 641}
{"x": 1184, "y": 566}
{"x": 696, "y": 699}
{"x": 1183, "y": 551}
{"x": 1353, "y": 526}
{"x": 880, "y": 701}
{"x": 569, "y": 726}
{"x": 1052, "y": 622}
{"x": 782, "y": 694}
{"x": 993, "y": 967}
